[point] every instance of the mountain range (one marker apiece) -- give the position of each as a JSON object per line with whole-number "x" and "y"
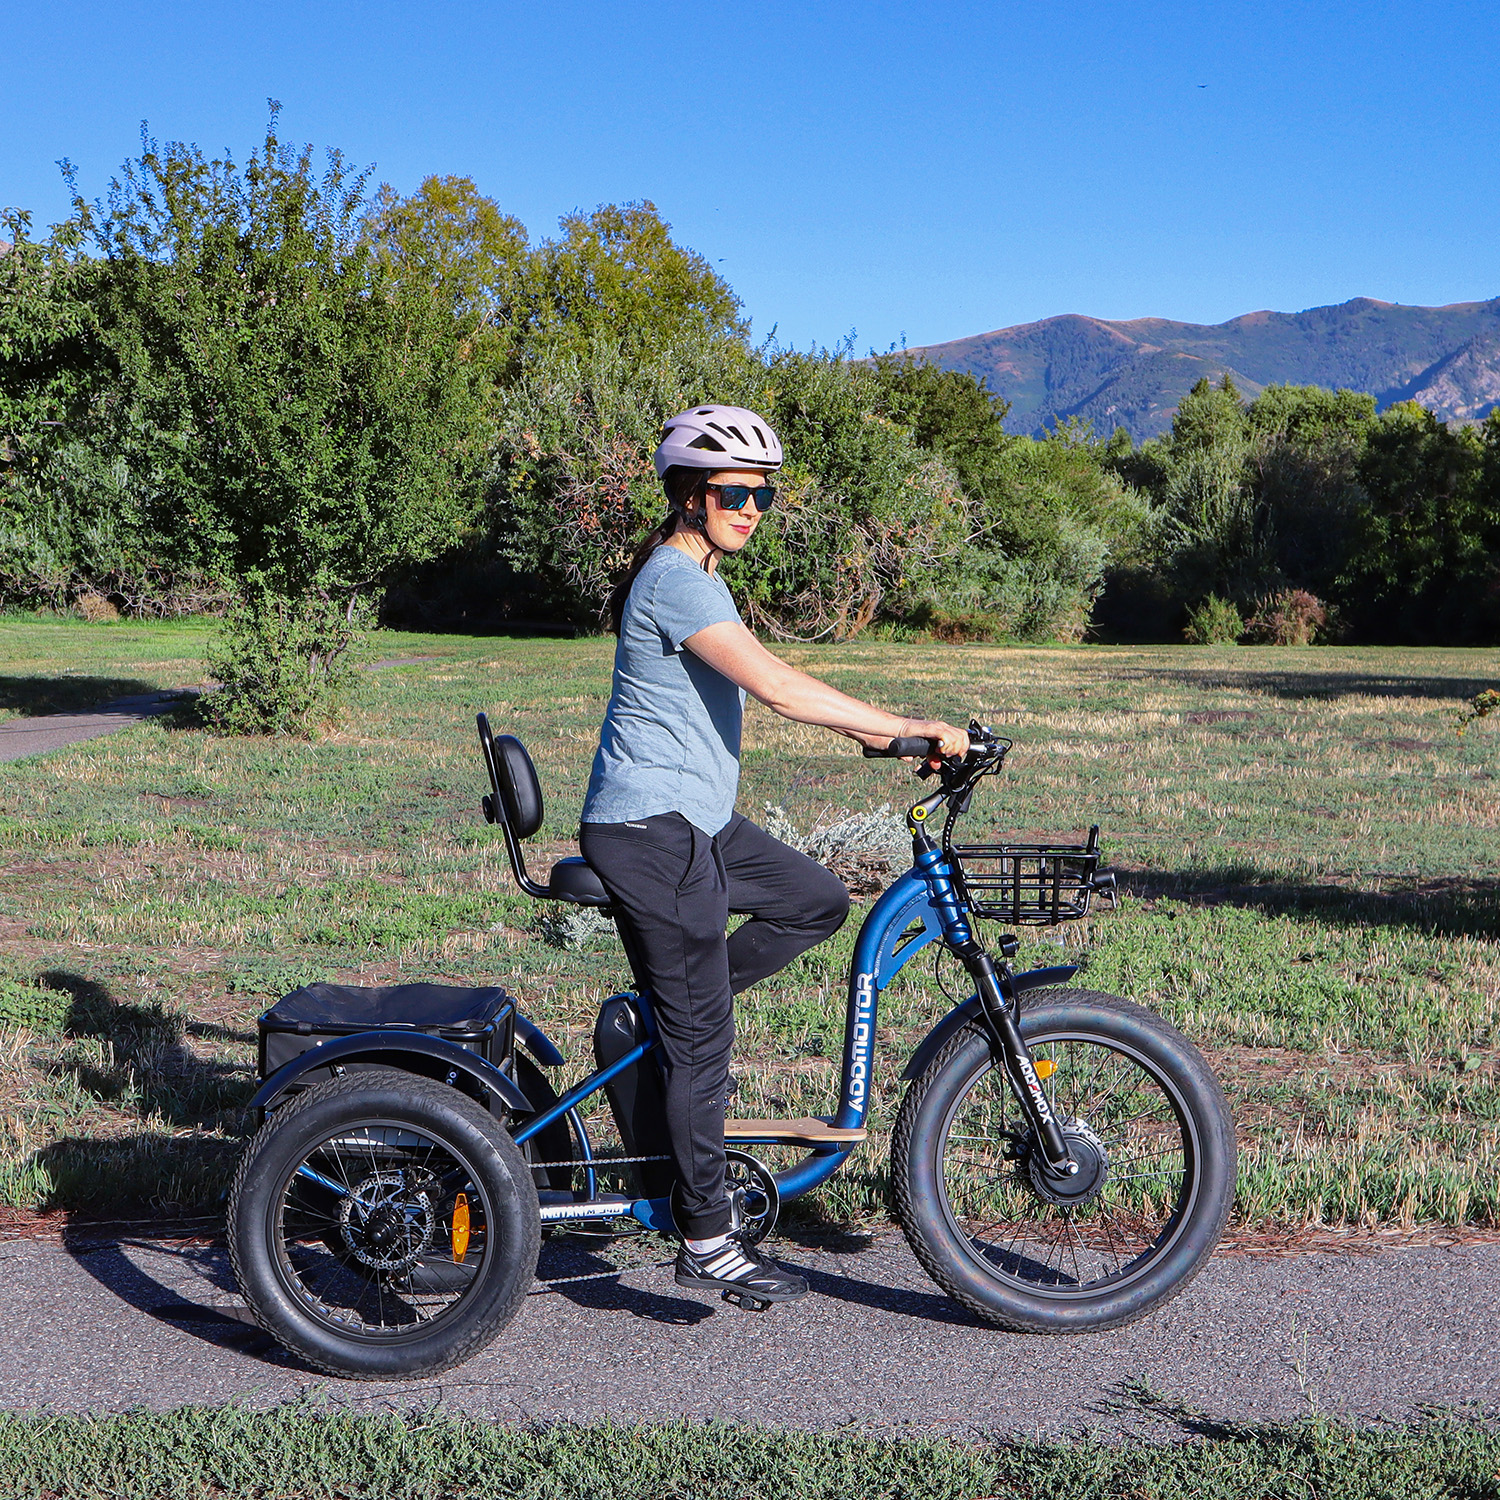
{"x": 1132, "y": 374}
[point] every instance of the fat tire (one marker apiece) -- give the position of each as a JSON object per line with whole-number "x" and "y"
{"x": 389, "y": 1095}
{"x": 916, "y": 1171}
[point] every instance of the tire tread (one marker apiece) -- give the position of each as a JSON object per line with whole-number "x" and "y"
{"x": 462, "y": 1345}
{"x": 909, "y": 1211}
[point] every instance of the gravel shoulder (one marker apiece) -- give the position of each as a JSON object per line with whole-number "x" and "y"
{"x": 109, "y": 1324}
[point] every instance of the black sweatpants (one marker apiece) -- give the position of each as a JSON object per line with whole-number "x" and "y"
{"x": 675, "y": 887}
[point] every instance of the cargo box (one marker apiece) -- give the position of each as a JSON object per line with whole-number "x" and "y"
{"x": 480, "y": 1020}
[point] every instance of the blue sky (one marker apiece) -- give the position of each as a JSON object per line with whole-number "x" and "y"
{"x": 917, "y": 171}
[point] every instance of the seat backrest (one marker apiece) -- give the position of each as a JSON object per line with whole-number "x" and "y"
{"x": 520, "y": 791}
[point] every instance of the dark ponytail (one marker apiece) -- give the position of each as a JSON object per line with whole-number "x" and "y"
{"x": 682, "y": 485}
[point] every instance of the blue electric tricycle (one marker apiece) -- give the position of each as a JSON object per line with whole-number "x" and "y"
{"x": 1062, "y": 1160}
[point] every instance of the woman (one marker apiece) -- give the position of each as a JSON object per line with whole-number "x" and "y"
{"x": 659, "y": 824}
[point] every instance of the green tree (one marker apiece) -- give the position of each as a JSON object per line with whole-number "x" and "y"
{"x": 1217, "y": 537}
{"x": 1420, "y": 566}
{"x": 73, "y": 514}
{"x": 617, "y": 273}
{"x": 949, "y": 412}
{"x": 309, "y": 416}
{"x": 449, "y": 237}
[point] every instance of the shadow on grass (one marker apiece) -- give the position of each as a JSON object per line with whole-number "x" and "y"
{"x": 67, "y": 695}
{"x": 1316, "y": 686}
{"x": 165, "y": 1183}
{"x": 144, "y": 1067}
{"x": 1447, "y": 906}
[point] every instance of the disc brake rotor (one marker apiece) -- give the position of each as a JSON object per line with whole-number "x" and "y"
{"x": 389, "y": 1220}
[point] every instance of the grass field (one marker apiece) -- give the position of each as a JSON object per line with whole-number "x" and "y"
{"x": 299, "y": 1452}
{"x": 1308, "y": 848}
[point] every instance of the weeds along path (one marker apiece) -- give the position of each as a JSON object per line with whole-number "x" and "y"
{"x": 1305, "y": 843}
{"x": 106, "y": 1325}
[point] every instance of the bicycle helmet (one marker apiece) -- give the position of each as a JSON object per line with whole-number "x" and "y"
{"x": 717, "y": 437}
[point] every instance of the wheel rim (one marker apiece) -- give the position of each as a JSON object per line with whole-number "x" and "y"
{"x": 1129, "y": 1127}
{"x": 382, "y": 1231}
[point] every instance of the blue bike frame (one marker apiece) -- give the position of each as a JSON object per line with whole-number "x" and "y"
{"x": 919, "y": 908}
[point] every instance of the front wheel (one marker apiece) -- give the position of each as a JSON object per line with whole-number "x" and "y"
{"x": 383, "y": 1225}
{"x": 1151, "y": 1132}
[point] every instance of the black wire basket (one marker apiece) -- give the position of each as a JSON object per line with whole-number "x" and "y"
{"x": 1033, "y": 885}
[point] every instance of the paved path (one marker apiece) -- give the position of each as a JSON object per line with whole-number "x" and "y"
{"x": 22, "y": 737}
{"x": 110, "y": 1325}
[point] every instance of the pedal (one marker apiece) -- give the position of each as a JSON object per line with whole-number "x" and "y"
{"x": 746, "y": 1301}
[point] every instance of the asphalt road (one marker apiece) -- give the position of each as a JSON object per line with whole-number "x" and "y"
{"x": 108, "y": 1325}
{"x": 21, "y": 737}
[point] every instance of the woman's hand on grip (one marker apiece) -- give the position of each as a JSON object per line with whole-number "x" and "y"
{"x": 952, "y": 742}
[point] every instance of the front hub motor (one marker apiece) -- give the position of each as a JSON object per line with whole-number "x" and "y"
{"x": 1070, "y": 1189}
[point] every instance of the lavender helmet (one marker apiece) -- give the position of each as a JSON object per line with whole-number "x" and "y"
{"x": 717, "y": 437}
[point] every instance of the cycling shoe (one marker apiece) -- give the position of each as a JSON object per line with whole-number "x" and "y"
{"x": 740, "y": 1273}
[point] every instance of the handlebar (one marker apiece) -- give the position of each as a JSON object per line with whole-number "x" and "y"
{"x": 958, "y": 774}
{"x": 906, "y": 745}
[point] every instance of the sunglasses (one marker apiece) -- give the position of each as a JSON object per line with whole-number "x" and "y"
{"x": 734, "y": 496}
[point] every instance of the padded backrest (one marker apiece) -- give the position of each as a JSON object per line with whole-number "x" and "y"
{"x": 521, "y": 791}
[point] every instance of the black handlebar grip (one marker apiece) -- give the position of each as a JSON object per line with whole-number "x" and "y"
{"x": 911, "y": 744}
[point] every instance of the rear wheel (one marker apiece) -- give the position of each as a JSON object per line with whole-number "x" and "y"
{"x": 383, "y": 1225}
{"x": 1027, "y": 1249}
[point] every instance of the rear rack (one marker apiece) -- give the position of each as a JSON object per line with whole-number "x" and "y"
{"x": 1032, "y": 885}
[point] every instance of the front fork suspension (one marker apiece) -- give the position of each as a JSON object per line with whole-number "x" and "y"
{"x": 1000, "y": 1009}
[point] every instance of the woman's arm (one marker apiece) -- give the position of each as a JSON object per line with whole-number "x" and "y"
{"x": 730, "y": 648}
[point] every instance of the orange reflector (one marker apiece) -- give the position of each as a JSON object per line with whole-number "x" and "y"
{"x": 1045, "y": 1067}
{"x": 460, "y": 1228}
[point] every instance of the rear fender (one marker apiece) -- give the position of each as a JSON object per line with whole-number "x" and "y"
{"x": 961, "y": 1015}
{"x": 410, "y": 1052}
{"x": 537, "y": 1042}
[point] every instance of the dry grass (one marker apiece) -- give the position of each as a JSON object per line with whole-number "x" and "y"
{"x": 1308, "y": 846}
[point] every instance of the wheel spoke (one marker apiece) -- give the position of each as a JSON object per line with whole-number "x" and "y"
{"x": 380, "y": 1261}
{"x": 1024, "y": 1228}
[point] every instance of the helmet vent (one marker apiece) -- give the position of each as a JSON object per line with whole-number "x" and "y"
{"x": 760, "y": 437}
{"x": 707, "y": 443}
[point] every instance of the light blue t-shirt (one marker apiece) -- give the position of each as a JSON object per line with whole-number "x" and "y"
{"x": 671, "y": 735}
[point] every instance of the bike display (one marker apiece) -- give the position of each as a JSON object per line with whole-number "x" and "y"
{"x": 1062, "y": 1160}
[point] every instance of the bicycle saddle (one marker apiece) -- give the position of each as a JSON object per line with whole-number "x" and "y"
{"x": 574, "y": 880}
{"x": 515, "y": 803}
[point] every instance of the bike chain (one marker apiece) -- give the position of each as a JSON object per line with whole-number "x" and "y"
{"x": 602, "y": 1275}
{"x": 598, "y": 1161}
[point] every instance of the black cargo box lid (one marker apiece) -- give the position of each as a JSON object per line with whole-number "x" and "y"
{"x": 421, "y": 1007}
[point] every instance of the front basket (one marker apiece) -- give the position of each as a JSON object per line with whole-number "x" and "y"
{"x": 1032, "y": 885}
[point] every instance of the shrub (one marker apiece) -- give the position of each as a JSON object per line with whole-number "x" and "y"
{"x": 1480, "y": 707}
{"x": 283, "y": 664}
{"x": 1214, "y": 622}
{"x": 957, "y": 626}
{"x": 1292, "y": 617}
